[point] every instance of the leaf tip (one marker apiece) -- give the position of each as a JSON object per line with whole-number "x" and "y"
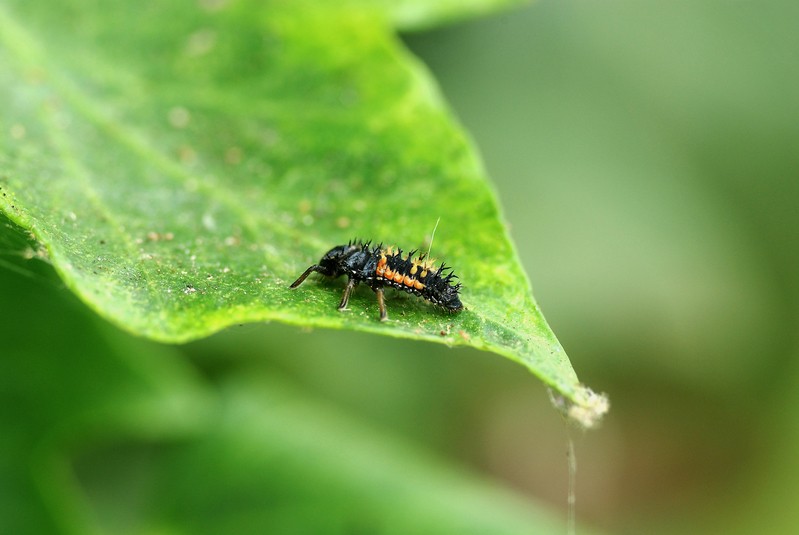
{"x": 585, "y": 409}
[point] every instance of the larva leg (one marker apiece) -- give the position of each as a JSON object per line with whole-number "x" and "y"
{"x": 345, "y": 298}
{"x": 381, "y": 303}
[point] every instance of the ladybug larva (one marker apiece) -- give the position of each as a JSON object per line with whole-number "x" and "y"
{"x": 379, "y": 267}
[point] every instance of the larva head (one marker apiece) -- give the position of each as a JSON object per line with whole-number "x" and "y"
{"x": 332, "y": 264}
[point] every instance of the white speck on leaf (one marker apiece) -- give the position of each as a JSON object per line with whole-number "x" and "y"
{"x": 209, "y": 222}
{"x": 18, "y": 131}
{"x": 179, "y": 117}
{"x": 201, "y": 42}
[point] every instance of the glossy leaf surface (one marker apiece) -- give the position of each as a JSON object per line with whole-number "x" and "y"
{"x": 183, "y": 162}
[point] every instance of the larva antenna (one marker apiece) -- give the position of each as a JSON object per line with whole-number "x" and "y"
{"x": 432, "y": 236}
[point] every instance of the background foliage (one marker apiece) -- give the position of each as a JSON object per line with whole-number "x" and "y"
{"x": 651, "y": 179}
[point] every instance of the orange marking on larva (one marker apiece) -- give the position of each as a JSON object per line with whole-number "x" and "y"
{"x": 418, "y": 285}
{"x": 408, "y": 281}
{"x": 388, "y": 273}
{"x": 381, "y": 269}
{"x": 398, "y": 276}
{"x": 414, "y": 269}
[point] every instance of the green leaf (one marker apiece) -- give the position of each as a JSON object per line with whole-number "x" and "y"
{"x": 182, "y": 162}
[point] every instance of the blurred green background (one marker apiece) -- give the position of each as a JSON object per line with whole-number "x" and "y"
{"x": 646, "y": 157}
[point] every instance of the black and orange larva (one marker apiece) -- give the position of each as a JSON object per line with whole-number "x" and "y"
{"x": 379, "y": 267}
